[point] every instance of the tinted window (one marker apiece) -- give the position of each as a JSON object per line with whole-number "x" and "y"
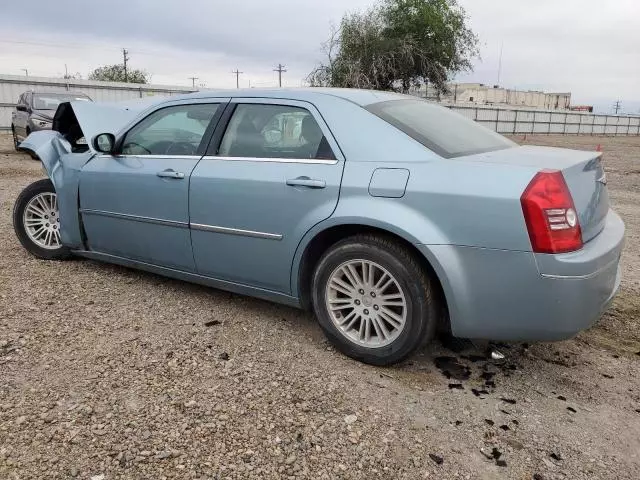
{"x": 441, "y": 130}
{"x": 50, "y": 101}
{"x": 170, "y": 131}
{"x": 274, "y": 131}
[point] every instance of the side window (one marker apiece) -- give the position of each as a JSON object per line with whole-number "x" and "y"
{"x": 170, "y": 131}
{"x": 274, "y": 131}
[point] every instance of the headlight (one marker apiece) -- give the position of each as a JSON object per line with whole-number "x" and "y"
{"x": 41, "y": 122}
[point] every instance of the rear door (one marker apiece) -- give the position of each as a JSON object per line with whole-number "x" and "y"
{"x": 136, "y": 204}
{"x": 272, "y": 172}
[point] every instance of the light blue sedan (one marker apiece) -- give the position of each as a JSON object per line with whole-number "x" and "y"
{"x": 388, "y": 216}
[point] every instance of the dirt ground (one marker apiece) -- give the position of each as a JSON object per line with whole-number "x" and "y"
{"x": 109, "y": 373}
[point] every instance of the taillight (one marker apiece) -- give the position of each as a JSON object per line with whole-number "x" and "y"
{"x": 550, "y": 214}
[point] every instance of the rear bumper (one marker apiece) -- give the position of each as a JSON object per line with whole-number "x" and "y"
{"x": 520, "y": 296}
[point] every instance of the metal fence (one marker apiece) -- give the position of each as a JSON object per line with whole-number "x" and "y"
{"x": 12, "y": 86}
{"x": 501, "y": 119}
{"x": 541, "y": 122}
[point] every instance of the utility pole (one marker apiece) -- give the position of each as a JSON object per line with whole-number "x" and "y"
{"x": 193, "y": 81}
{"x": 617, "y": 106}
{"x": 500, "y": 63}
{"x": 126, "y": 59}
{"x": 237, "y": 74}
{"x": 26, "y": 72}
{"x": 280, "y": 70}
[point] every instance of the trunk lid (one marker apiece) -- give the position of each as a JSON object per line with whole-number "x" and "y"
{"x": 582, "y": 170}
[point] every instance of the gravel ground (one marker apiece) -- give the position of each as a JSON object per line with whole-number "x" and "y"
{"x": 109, "y": 373}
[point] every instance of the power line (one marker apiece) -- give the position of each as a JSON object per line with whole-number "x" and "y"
{"x": 237, "y": 74}
{"x": 280, "y": 70}
{"x": 125, "y": 58}
{"x": 193, "y": 81}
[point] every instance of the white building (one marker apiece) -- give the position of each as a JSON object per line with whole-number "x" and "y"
{"x": 480, "y": 94}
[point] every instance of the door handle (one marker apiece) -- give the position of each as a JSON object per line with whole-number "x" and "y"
{"x": 170, "y": 173}
{"x": 306, "y": 182}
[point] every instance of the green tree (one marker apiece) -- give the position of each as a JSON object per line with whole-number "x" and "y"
{"x": 396, "y": 45}
{"x": 115, "y": 73}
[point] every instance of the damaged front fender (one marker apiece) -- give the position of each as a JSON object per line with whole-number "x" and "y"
{"x": 63, "y": 168}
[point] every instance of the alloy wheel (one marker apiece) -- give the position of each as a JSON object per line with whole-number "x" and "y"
{"x": 42, "y": 220}
{"x": 366, "y": 303}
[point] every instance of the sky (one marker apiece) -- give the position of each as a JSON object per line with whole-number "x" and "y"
{"x": 587, "y": 47}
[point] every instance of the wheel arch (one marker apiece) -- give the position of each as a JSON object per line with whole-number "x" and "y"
{"x": 314, "y": 245}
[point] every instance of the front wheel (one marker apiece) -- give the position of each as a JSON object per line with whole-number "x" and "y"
{"x": 373, "y": 299}
{"x": 16, "y": 142}
{"x": 36, "y": 221}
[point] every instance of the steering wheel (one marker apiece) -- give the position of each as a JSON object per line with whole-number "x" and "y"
{"x": 134, "y": 144}
{"x": 180, "y": 148}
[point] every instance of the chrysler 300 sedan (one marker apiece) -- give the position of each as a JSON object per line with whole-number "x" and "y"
{"x": 385, "y": 214}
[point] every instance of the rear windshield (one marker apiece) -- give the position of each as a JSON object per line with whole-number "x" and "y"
{"x": 50, "y": 101}
{"x": 441, "y": 130}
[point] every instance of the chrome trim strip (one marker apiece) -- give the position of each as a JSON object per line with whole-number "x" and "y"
{"x": 275, "y": 160}
{"x": 235, "y": 231}
{"x": 159, "y": 157}
{"x": 136, "y": 218}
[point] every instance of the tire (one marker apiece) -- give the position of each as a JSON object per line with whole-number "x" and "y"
{"x": 16, "y": 142}
{"x": 43, "y": 229}
{"x": 410, "y": 284}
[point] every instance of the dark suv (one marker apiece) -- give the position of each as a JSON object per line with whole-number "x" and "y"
{"x": 34, "y": 111}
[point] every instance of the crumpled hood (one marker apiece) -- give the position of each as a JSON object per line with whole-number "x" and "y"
{"x": 94, "y": 118}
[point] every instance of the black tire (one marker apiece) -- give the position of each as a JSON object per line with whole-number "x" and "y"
{"x": 16, "y": 142}
{"x": 422, "y": 308}
{"x": 36, "y": 188}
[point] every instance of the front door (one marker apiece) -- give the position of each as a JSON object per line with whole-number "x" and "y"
{"x": 274, "y": 174}
{"x": 136, "y": 204}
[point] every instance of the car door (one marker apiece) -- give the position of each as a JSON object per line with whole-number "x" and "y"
{"x": 135, "y": 204}
{"x": 272, "y": 172}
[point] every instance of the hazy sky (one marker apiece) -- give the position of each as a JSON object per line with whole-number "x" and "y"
{"x": 588, "y": 47}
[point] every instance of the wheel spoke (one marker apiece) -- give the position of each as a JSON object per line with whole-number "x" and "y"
{"x": 35, "y": 210}
{"x": 339, "y": 288}
{"x": 340, "y": 303}
{"x": 352, "y": 275}
{"x": 381, "y": 329}
{"x": 361, "y": 331}
{"x": 347, "y": 318}
{"x": 33, "y": 222}
{"x": 365, "y": 272}
{"x": 393, "y": 318}
{"x": 353, "y": 321}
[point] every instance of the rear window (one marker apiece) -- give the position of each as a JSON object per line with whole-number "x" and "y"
{"x": 441, "y": 130}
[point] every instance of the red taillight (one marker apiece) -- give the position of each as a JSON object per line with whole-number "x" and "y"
{"x": 550, "y": 214}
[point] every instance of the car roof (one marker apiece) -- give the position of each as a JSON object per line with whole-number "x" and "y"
{"x": 357, "y": 96}
{"x": 56, "y": 92}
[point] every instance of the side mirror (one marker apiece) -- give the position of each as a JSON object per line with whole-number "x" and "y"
{"x": 21, "y": 108}
{"x": 104, "y": 142}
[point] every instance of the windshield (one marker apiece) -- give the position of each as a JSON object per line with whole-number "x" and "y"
{"x": 441, "y": 130}
{"x": 50, "y": 101}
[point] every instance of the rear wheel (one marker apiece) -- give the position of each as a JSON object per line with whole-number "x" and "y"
{"x": 36, "y": 221}
{"x": 373, "y": 300}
